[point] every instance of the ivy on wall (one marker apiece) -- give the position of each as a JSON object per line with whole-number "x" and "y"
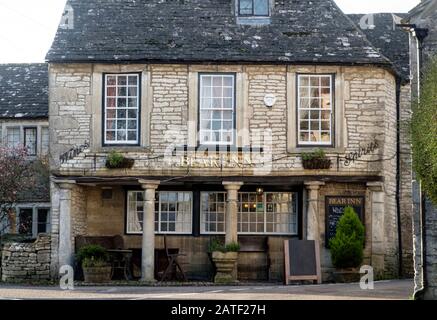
{"x": 424, "y": 132}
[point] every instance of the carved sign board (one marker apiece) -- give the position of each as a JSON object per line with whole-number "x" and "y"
{"x": 334, "y": 210}
{"x": 302, "y": 260}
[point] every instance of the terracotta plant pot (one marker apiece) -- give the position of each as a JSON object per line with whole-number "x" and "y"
{"x": 97, "y": 274}
{"x": 125, "y": 164}
{"x": 317, "y": 163}
{"x": 225, "y": 263}
{"x": 349, "y": 275}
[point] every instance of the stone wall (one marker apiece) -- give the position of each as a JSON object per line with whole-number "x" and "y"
{"x": 406, "y": 187}
{"x": 26, "y": 261}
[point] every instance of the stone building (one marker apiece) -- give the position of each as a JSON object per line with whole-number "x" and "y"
{"x": 217, "y": 103}
{"x": 421, "y": 23}
{"x": 24, "y": 122}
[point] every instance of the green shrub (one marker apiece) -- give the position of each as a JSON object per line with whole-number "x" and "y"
{"x": 347, "y": 245}
{"x": 92, "y": 252}
{"x": 217, "y": 245}
{"x": 94, "y": 263}
{"x": 424, "y": 133}
{"x": 115, "y": 159}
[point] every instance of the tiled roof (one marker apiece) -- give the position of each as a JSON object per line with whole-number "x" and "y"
{"x": 391, "y": 40}
{"x": 300, "y": 31}
{"x": 24, "y": 91}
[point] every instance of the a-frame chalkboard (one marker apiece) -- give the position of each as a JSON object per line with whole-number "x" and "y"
{"x": 302, "y": 260}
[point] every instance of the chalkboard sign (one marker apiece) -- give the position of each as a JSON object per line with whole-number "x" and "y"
{"x": 334, "y": 210}
{"x": 302, "y": 260}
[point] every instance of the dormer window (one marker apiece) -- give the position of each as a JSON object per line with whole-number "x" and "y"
{"x": 257, "y": 8}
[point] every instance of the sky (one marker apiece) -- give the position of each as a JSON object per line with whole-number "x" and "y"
{"x": 27, "y": 27}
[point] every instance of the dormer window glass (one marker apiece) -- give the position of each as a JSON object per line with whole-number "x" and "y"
{"x": 253, "y": 8}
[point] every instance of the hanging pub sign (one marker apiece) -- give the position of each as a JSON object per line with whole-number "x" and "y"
{"x": 334, "y": 209}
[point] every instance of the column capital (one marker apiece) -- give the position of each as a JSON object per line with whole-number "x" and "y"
{"x": 232, "y": 185}
{"x": 375, "y": 186}
{"x": 64, "y": 184}
{"x": 149, "y": 184}
{"x": 314, "y": 185}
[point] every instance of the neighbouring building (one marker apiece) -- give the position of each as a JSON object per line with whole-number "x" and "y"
{"x": 217, "y": 103}
{"x": 24, "y": 122}
{"x": 421, "y": 23}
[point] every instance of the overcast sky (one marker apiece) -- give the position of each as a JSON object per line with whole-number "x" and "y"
{"x": 27, "y": 27}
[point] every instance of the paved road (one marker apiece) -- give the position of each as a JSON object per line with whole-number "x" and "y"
{"x": 391, "y": 290}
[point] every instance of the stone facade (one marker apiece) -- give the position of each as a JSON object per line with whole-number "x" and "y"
{"x": 26, "y": 261}
{"x": 365, "y": 112}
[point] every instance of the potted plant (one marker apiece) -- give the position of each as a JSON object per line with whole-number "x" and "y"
{"x": 347, "y": 247}
{"x": 116, "y": 160}
{"x": 95, "y": 264}
{"x": 224, "y": 258}
{"x": 316, "y": 160}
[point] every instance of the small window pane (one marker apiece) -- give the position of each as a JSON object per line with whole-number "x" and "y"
{"x": 30, "y": 135}
{"x": 45, "y": 141}
{"x": 13, "y": 137}
{"x": 261, "y": 7}
{"x": 25, "y": 221}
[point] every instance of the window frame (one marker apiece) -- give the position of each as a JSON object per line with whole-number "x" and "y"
{"x": 25, "y": 128}
{"x": 202, "y": 219}
{"x": 35, "y": 209}
{"x": 253, "y": 10}
{"x": 20, "y": 136}
{"x": 104, "y": 105}
{"x": 159, "y": 232}
{"x": 234, "y": 110}
{"x": 297, "y": 205}
{"x": 43, "y": 128}
{"x": 333, "y": 119}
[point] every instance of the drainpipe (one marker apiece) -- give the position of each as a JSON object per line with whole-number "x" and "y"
{"x": 420, "y": 34}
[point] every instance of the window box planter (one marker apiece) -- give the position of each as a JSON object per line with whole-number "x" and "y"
{"x": 317, "y": 163}
{"x": 126, "y": 163}
{"x": 316, "y": 160}
{"x": 116, "y": 160}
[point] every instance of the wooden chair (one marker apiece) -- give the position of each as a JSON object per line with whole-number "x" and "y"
{"x": 173, "y": 263}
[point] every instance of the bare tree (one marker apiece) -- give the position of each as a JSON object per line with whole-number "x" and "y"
{"x": 17, "y": 175}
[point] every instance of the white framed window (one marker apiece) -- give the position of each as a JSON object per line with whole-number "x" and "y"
{"x": 315, "y": 108}
{"x": 13, "y": 137}
{"x": 267, "y": 213}
{"x": 212, "y": 212}
{"x": 30, "y": 138}
{"x": 217, "y": 109}
{"x": 173, "y": 212}
{"x": 33, "y": 220}
{"x": 121, "y": 109}
{"x": 45, "y": 142}
{"x": 253, "y": 8}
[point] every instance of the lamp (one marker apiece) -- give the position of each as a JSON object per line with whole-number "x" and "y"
{"x": 259, "y": 191}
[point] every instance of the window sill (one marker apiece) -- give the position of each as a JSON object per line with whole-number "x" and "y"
{"x": 328, "y": 150}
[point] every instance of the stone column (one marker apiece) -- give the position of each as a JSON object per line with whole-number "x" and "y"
{"x": 232, "y": 210}
{"x": 312, "y": 227}
{"x": 148, "y": 244}
{"x": 376, "y": 190}
{"x": 65, "y": 233}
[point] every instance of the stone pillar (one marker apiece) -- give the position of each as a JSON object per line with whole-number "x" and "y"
{"x": 232, "y": 210}
{"x": 65, "y": 229}
{"x": 312, "y": 227}
{"x": 376, "y": 190}
{"x": 148, "y": 244}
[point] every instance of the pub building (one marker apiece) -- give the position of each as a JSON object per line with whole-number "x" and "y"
{"x": 214, "y": 104}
